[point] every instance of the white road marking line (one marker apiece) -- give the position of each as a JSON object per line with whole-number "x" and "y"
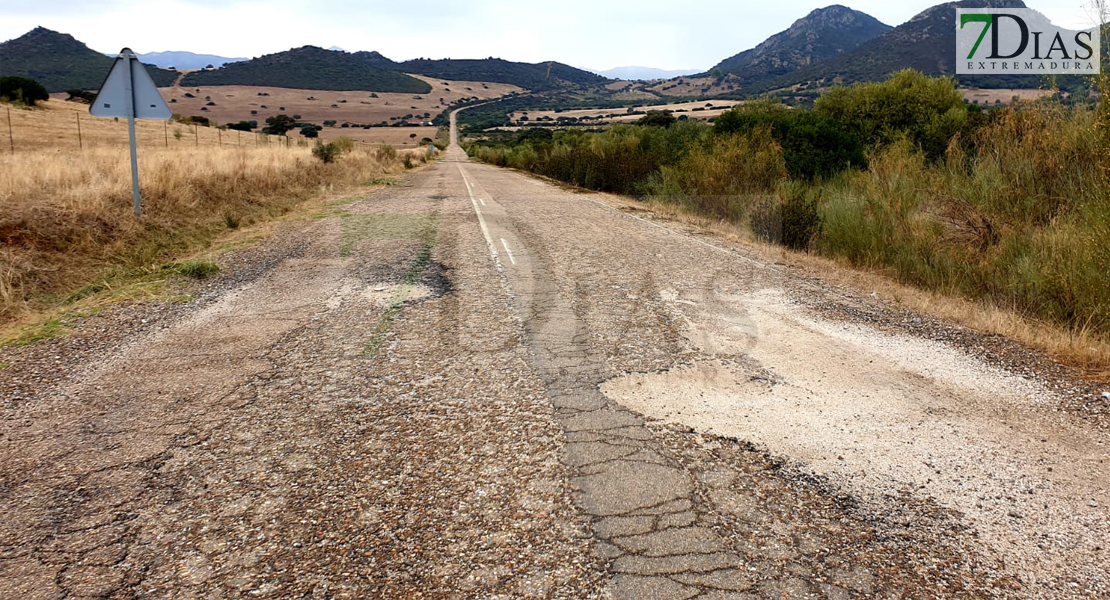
{"x": 481, "y": 219}
{"x": 482, "y": 201}
{"x": 507, "y": 251}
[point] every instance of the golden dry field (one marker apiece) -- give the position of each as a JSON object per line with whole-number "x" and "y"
{"x": 233, "y": 103}
{"x": 34, "y": 129}
{"x": 66, "y": 220}
{"x": 709, "y": 108}
{"x": 1002, "y": 96}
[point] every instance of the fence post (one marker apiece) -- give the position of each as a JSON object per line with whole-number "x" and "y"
{"x": 219, "y": 137}
{"x": 11, "y": 138}
{"x": 80, "y": 142}
{"x": 196, "y": 135}
{"x": 167, "y": 132}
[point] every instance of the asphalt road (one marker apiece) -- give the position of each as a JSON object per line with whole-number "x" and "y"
{"x": 480, "y": 385}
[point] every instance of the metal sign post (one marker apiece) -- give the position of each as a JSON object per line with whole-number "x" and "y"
{"x": 128, "y": 91}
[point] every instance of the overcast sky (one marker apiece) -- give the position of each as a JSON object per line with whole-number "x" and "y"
{"x": 586, "y": 33}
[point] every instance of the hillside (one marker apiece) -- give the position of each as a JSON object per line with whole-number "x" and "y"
{"x": 536, "y": 77}
{"x": 59, "y": 62}
{"x": 820, "y": 35}
{"x": 926, "y": 43}
{"x": 313, "y": 68}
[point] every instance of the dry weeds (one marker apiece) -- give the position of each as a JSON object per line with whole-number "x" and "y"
{"x": 66, "y": 223}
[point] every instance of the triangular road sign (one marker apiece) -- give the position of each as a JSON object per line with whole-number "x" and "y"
{"x": 128, "y": 84}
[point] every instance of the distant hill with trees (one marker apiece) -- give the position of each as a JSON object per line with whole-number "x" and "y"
{"x": 532, "y": 76}
{"x": 925, "y": 43}
{"x": 819, "y": 36}
{"x": 312, "y": 68}
{"x": 60, "y": 63}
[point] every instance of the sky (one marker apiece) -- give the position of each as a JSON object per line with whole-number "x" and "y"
{"x": 585, "y": 33}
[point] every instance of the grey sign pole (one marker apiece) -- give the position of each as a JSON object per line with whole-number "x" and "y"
{"x": 129, "y": 92}
{"x": 132, "y": 60}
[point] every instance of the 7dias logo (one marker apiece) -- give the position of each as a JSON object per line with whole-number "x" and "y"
{"x": 1022, "y": 42}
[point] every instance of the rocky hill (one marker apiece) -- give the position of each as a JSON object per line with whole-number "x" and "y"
{"x": 822, "y": 34}
{"x": 926, "y": 42}
{"x": 59, "y": 62}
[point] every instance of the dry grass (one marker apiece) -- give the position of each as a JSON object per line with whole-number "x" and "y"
{"x": 55, "y": 126}
{"x": 992, "y": 97}
{"x": 710, "y": 107}
{"x": 234, "y": 103}
{"x": 66, "y": 222}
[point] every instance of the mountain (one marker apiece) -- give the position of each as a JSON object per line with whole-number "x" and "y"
{"x": 820, "y": 35}
{"x": 643, "y": 73}
{"x": 536, "y": 77}
{"x": 926, "y": 42}
{"x": 59, "y": 62}
{"x": 313, "y": 68}
{"x": 186, "y": 60}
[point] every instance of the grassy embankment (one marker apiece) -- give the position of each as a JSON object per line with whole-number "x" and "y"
{"x": 68, "y": 233}
{"x": 1009, "y": 210}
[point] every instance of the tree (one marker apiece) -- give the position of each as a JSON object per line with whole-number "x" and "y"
{"x": 279, "y": 124}
{"x": 927, "y": 111}
{"x": 21, "y": 89}
{"x": 412, "y": 136}
{"x": 657, "y": 118}
{"x": 81, "y": 96}
{"x": 310, "y": 131}
{"x": 242, "y": 125}
{"x": 813, "y": 145}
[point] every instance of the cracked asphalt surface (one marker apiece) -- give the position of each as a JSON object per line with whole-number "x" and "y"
{"x": 438, "y": 391}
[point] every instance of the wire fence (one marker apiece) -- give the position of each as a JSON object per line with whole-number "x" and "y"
{"x": 75, "y": 129}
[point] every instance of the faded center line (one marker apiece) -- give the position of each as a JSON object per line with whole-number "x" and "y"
{"x": 512, "y": 259}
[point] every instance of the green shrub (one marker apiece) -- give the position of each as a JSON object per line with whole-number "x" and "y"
{"x": 279, "y": 124}
{"x": 81, "y": 95}
{"x": 197, "y": 269}
{"x": 344, "y": 143}
{"x": 327, "y": 153}
{"x": 22, "y": 89}
{"x": 928, "y": 111}
{"x": 657, "y": 118}
{"x": 789, "y": 218}
{"x": 814, "y": 146}
{"x": 720, "y": 179}
{"x": 387, "y": 152}
{"x": 232, "y": 220}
